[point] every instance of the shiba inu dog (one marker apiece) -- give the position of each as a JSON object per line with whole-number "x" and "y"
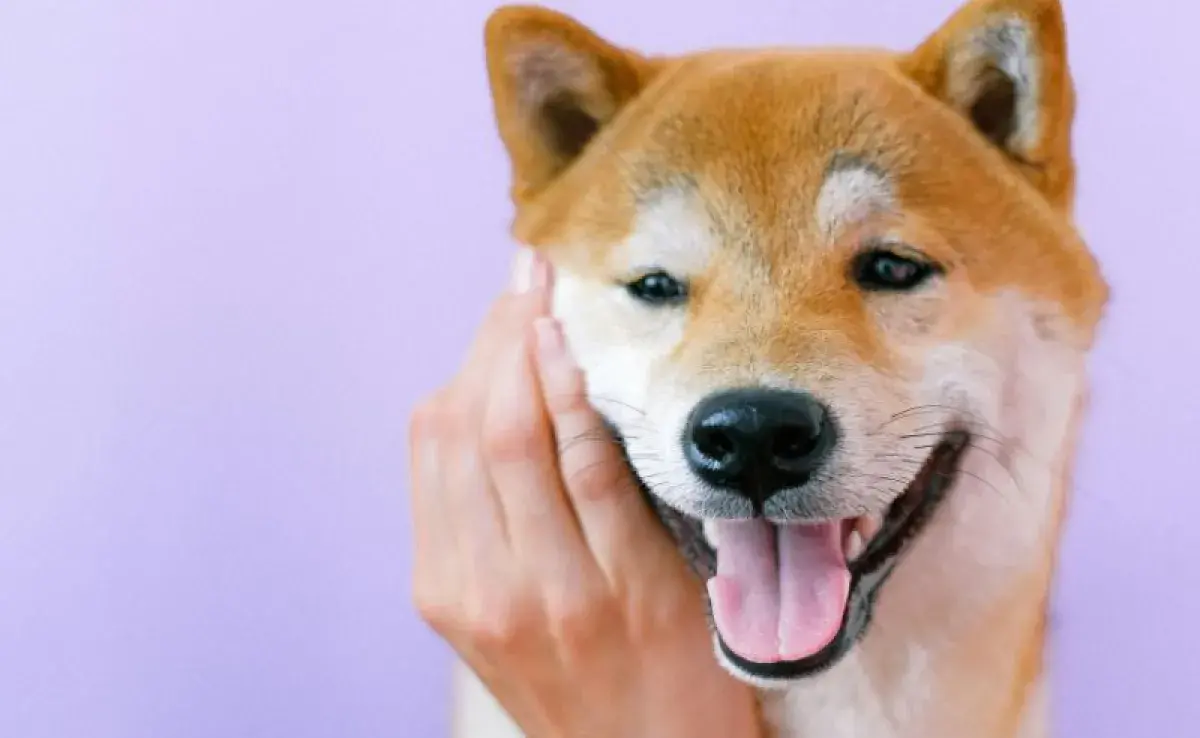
{"x": 834, "y": 308}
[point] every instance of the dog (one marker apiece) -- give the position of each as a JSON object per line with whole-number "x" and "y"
{"x": 833, "y": 305}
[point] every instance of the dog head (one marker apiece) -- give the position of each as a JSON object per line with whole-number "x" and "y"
{"x": 799, "y": 282}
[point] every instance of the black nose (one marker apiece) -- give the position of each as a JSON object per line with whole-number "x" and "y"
{"x": 756, "y": 442}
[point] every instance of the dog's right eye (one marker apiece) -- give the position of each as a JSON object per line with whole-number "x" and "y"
{"x": 883, "y": 270}
{"x": 658, "y": 288}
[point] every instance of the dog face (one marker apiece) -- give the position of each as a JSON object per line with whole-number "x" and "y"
{"x": 798, "y": 282}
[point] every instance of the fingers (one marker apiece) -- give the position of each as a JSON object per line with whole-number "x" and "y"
{"x": 519, "y": 449}
{"x": 435, "y": 568}
{"x": 616, "y": 523}
{"x": 476, "y": 520}
{"x": 471, "y": 496}
{"x": 429, "y": 522}
{"x": 458, "y": 526}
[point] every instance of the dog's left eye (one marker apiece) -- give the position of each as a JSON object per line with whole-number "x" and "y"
{"x": 882, "y": 270}
{"x": 658, "y": 288}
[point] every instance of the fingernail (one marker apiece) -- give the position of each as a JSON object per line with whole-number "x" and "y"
{"x": 531, "y": 272}
{"x": 522, "y": 271}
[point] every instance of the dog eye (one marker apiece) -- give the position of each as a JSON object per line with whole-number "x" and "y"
{"x": 881, "y": 270}
{"x": 658, "y": 288}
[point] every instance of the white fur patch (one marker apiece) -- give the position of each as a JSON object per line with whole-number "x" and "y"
{"x": 614, "y": 338}
{"x": 543, "y": 69}
{"x": 1007, "y": 43}
{"x": 851, "y": 192}
{"x": 673, "y": 233}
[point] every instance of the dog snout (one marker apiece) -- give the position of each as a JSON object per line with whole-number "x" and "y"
{"x": 757, "y": 442}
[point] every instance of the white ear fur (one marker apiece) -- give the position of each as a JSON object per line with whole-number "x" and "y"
{"x": 994, "y": 79}
{"x": 1002, "y": 65}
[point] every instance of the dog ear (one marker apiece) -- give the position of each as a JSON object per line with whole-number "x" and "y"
{"x": 555, "y": 85}
{"x": 1002, "y": 64}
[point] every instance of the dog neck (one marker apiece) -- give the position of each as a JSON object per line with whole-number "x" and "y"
{"x": 956, "y": 644}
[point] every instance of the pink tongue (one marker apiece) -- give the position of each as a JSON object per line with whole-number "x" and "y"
{"x": 780, "y": 591}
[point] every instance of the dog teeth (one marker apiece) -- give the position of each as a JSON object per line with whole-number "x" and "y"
{"x": 865, "y": 528}
{"x": 854, "y": 545}
{"x": 868, "y": 525}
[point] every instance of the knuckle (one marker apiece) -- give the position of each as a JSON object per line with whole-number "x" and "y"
{"x": 501, "y": 625}
{"x": 596, "y": 477}
{"x": 515, "y": 438}
{"x": 423, "y": 422}
{"x": 649, "y": 616}
{"x": 435, "y": 415}
{"x": 568, "y": 395}
{"x": 456, "y": 417}
{"x": 440, "y": 612}
{"x": 484, "y": 622}
{"x": 579, "y": 621}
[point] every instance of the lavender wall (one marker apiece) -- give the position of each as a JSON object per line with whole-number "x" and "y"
{"x": 238, "y": 237}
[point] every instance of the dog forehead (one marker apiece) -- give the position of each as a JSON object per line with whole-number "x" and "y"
{"x": 764, "y": 141}
{"x": 688, "y": 221}
{"x": 756, "y": 139}
{"x": 740, "y": 114}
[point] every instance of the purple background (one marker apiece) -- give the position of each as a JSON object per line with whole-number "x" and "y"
{"x": 239, "y": 237}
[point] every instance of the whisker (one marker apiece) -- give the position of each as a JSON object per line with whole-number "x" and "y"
{"x": 614, "y": 401}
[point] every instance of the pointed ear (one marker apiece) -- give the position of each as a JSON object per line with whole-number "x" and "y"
{"x": 555, "y": 84}
{"x": 1002, "y": 64}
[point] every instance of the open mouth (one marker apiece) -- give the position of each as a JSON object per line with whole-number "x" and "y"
{"x": 789, "y": 600}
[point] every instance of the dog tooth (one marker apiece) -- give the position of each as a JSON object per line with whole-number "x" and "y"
{"x": 869, "y": 525}
{"x": 854, "y": 545}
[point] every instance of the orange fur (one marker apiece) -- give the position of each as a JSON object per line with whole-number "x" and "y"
{"x": 746, "y": 139}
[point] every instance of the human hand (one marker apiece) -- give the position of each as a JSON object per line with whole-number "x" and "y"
{"x": 538, "y": 560}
